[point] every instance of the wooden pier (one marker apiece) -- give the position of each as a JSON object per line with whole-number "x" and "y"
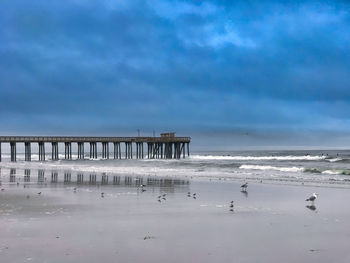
{"x": 167, "y": 146}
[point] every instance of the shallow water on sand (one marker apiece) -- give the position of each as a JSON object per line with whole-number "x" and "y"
{"x": 269, "y": 223}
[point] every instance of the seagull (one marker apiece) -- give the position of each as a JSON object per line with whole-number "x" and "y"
{"x": 312, "y": 198}
{"x": 164, "y": 195}
{"x": 39, "y": 193}
{"x": 244, "y": 186}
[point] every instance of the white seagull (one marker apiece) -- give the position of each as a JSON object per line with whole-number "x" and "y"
{"x": 312, "y": 198}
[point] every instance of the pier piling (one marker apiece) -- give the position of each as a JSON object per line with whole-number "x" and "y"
{"x": 68, "y": 150}
{"x": 13, "y": 151}
{"x": 27, "y": 152}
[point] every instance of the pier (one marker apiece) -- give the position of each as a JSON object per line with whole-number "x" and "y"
{"x": 166, "y": 146}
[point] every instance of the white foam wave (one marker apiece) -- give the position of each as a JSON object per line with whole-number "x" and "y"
{"x": 331, "y": 172}
{"x": 335, "y": 160}
{"x": 257, "y": 158}
{"x": 337, "y": 172}
{"x": 273, "y": 168}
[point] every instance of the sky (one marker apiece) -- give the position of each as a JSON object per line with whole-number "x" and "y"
{"x": 248, "y": 72}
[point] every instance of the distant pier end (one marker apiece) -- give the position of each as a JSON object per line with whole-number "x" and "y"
{"x": 167, "y": 146}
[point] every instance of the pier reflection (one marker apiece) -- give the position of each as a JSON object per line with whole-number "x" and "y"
{"x": 17, "y": 176}
{"x": 116, "y": 180}
{"x": 26, "y": 177}
{"x": 12, "y": 175}
{"x": 104, "y": 179}
{"x": 41, "y": 176}
{"x": 67, "y": 177}
{"x": 54, "y": 177}
{"x": 80, "y": 178}
{"x": 92, "y": 179}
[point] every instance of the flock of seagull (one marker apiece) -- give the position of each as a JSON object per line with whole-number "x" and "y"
{"x": 162, "y": 197}
{"x": 244, "y": 187}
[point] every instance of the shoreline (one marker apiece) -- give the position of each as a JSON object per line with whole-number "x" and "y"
{"x": 46, "y": 172}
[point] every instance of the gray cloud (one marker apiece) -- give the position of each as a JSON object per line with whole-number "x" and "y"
{"x": 222, "y": 65}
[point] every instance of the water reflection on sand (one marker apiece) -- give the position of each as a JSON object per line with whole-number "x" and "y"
{"x": 28, "y": 177}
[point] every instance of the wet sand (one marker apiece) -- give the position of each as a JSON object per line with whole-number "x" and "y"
{"x": 270, "y": 223}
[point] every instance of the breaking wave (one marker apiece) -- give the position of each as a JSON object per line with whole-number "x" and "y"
{"x": 257, "y": 158}
{"x": 272, "y": 168}
{"x": 332, "y": 160}
{"x": 337, "y": 172}
{"x": 296, "y": 169}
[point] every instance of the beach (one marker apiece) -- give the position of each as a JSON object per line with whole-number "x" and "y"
{"x": 175, "y": 131}
{"x": 71, "y": 221}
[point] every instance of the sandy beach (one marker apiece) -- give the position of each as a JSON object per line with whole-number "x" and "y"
{"x": 270, "y": 223}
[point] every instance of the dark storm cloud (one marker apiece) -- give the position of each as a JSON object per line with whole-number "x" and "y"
{"x": 215, "y": 65}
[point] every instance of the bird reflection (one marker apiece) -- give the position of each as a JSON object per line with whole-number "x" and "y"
{"x": 245, "y": 192}
{"x": 311, "y": 207}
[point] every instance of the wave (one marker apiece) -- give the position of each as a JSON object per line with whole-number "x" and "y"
{"x": 337, "y": 172}
{"x": 312, "y": 170}
{"x": 332, "y": 160}
{"x": 257, "y": 158}
{"x": 296, "y": 169}
{"x": 329, "y": 171}
{"x": 273, "y": 168}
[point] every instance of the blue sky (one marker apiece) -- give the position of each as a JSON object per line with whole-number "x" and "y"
{"x": 239, "y": 68}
